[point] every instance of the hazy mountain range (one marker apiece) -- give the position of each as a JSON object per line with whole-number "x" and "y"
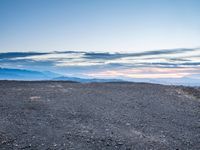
{"x": 175, "y": 66}
{"x": 19, "y": 74}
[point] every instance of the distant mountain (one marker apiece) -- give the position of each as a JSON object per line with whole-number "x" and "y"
{"x": 84, "y": 80}
{"x": 186, "y": 81}
{"x": 21, "y": 74}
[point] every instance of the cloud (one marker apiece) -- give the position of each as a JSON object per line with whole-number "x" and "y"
{"x": 19, "y": 54}
{"x": 115, "y": 64}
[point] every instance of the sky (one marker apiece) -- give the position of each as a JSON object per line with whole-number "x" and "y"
{"x": 134, "y": 40}
{"x": 98, "y": 25}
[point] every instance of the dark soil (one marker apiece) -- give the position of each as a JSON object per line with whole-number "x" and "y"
{"x": 98, "y": 116}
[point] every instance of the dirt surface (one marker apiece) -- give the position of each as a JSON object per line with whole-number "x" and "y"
{"x": 98, "y": 116}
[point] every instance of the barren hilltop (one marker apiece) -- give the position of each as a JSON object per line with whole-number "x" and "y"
{"x": 66, "y": 115}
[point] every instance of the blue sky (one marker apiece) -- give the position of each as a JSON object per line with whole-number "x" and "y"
{"x": 98, "y": 25}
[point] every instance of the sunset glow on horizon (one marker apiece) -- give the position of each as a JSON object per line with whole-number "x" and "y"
{"x": 151, "y": 73}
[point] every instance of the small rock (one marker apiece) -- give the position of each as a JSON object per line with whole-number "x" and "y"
{"x": 107, "y": 129}
{"x": 119, "y": 143}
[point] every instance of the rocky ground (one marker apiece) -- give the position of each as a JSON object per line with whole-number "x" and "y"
{"x": 98, "y": 116}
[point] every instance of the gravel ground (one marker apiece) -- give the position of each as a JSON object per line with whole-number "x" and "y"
{"x": 98, "y": 116}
